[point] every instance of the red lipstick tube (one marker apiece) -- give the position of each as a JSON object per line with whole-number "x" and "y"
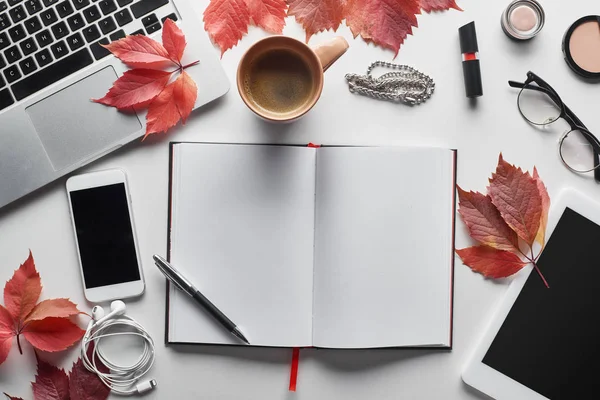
{"x": 470, "y": 60}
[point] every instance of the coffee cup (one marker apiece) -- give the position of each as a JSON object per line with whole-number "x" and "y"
{"x": 280, "y": 79}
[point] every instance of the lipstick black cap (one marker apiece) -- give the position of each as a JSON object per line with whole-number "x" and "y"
{"x": 471, "y": 67}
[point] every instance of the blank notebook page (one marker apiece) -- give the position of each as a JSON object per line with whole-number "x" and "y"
{"x": 383, "y": 247}
{"x": 242, "y": 232}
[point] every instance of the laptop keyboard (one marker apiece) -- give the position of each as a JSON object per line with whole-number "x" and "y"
{"x": 44, "y": 41}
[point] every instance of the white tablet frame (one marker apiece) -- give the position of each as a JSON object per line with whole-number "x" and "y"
{"x": 486, "y": 379}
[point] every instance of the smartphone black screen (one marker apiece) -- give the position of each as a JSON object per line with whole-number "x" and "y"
{"x": 105, "y": 235}
{"x": 549, "y": 340}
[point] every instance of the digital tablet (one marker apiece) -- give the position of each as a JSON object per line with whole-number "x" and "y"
{"x": 543, "y": 343}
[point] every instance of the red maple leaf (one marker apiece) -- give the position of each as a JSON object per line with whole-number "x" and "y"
{"x": 168, "y": 103}
{"x": 383, "y": 22}
{"x": 46, "y": 325}
{"x": 515, "y": 211}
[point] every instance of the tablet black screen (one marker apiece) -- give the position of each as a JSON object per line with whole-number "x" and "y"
{"x": 549, "y": 340}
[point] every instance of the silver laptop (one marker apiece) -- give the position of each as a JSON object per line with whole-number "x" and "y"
{"x": 51, "y": 65}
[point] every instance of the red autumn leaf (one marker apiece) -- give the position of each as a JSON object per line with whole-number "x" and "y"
{"x": 484, "y": 221}
{"x": 516, "y": 195}
{"x": 61, "y": 308}
{"x": 85, "y": 385}
{"x": 140, "y": 51}
{"x": 12, "y": 397}
{"x": 384, "y": 22}
{"x": 438, "y": 5}
{"x": 490, "y": 262}
{"x": 541, "y": 234}
{"x": 51, "y": 383}
{"x": 185, "y": 93}
{"x": 268, "y": 14}
{"x": 173, "y": 40}
{"x": 226, "y": 21}
{"x": 135, "y": 87}
{"x": 317, "y": 15}
{"x": 52, "y": 334}
{"x": 23, "y": 290}
{"x": 7, "y": 332}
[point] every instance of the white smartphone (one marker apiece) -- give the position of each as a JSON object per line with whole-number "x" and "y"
{"x": 105, "y": 236}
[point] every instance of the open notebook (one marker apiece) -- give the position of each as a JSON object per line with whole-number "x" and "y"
{"x": 339, "y": 247}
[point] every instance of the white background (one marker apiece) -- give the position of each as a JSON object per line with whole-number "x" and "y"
{"x": 479, "y": 130}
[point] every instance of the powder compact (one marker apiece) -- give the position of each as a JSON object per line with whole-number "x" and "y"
{"x": 523, "y": 19}
{"x": 581, "y": 47}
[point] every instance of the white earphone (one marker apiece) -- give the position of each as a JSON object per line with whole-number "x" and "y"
{"x": 120, "y": 379}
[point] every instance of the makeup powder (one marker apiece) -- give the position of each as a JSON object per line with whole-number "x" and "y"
{"x": 523, "y": 19}
{"x": 581, "y": 47}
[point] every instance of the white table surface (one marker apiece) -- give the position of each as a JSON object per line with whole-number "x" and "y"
{"x": 478, "y": 130}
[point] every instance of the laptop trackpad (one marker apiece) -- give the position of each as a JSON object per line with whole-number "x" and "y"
{"x": 73, "y": 128}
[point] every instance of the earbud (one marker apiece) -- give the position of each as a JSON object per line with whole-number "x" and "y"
{"x": 117, "y": 307}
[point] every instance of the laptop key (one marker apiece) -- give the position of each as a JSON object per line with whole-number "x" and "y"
{"x": 48, "y": 17}
{"x": 28, "y": 46}
{"x": 153, "y": 28}
{"x": 123, "y": 17}
{"x": 2, "y": 83}
{"x": 144, "y": 7}
{"x": 107, "y": 6}
{"x": 138, "y": 32}
{"x": 107, "y": 25}
{"x": 33, "y": 6}
{"x": 12, "y": 55}
{"x": 17, "y": 14}
{"x": 99, "y": 51}
{"x": 33, "y": 25}
{"x": 91, "y": 33}
{"x": 4, "y": 21}
{"x": 59, "y": 49}
{"x": 64, "y": 9}
{"x": 3, "y": 5}
{"x": 53, "y": 73}
{"x": 4, "y": 41}
{"x": 171, "y": 16}
{"x": 49, "y": 3}
{"x": 17, "y": 33}
{"x": 43, "y": 57}
{"x": 44, "y": 38}
{"x": 12, "y": 73}
{"x": 2, "y": 62}
{"x": 149, "y": 20}
{"x": 123, "y": 3}
{"x": 120, "y": 34}
{"x": 5, "y": 98}
{"x": 27, "y": 66}
{"x": 76, "y": 22}
{"x": 91, "y": 14}
{"x": 13, "y": 2}
{"x": 60, "y": 30}
{"x": 75, "y": 41}
{"x": 79, "y": 4}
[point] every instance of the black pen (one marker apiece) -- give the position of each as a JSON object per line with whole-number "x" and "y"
{"x": 182, "y": 283}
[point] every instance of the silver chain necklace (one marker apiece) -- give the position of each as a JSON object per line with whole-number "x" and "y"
{"x": 407, "y": 85}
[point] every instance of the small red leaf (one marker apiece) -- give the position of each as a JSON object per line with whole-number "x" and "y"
{"x": 140, "y": 51}
{"x": 52, "y": 334}
{"x": 438, "y": 5}
{"x": 135, "y": 87}
{"x": 490, "y": 262}
{"x": 185, "y": 92}
{"x": 484, "y": 221}
{"x": 61, "y": 308}
{"x": 317, "y": 15}
{"x": 516, "y": 195}
{"x": 268, "y": 14}
{"x": 162, "y": 112}
{"x": 85, "y": 385}
{"x": 541, "y": 234}
{"x": 384, "y": 22}
{"x": 226, "y": 21}
{"x": 12, "y": 397}
{"x": 7, "y": 332}
{"x": 51, "y": 383}
{"x": 23, "y": 290}
{"x": 173, "y": 40}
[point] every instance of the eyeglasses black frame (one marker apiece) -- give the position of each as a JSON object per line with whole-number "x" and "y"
{"x": 565, "y": 113}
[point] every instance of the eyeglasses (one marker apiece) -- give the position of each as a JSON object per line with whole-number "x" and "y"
{"x": 540, "y": 105}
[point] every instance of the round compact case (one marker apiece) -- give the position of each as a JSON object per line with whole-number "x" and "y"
{"x": 581, "y": 47}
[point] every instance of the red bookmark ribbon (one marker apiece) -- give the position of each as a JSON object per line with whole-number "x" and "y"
{"x": 294, "y": 368}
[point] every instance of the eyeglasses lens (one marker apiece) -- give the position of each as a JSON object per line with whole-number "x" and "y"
{"x": 537, "y": 106}
{"x": 576, "y": 151}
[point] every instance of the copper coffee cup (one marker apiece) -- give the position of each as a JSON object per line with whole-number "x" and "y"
{"x": 280, "y": 79}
